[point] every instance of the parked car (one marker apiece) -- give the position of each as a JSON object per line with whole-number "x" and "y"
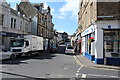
{"x": 62, "y": 44}
{"x": 7, "y": 55}
{"x": 69, "y": 50}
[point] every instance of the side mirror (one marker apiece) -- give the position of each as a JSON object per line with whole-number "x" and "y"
{"x": 27, "y": 43}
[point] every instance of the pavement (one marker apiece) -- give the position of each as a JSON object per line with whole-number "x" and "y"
{"x": 87, "y": 63}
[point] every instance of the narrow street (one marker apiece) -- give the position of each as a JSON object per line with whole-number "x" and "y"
{"x": 60, "y": 39}
{"x": 52, "y": 65}
{"x": 49, "y": 65}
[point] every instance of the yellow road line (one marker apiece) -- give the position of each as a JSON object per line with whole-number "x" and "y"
{"x": 80, "y": 64}
{"x": 77, "y": 61}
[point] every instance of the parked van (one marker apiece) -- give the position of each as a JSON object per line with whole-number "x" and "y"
{"x": 28, "y": 45}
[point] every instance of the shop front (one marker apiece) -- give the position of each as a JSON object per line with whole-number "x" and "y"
{"x": 112, "y": 46}
{"x": 87, "y": 43}
{"x": 101, "y": 43}
{"x": 6, "y": 37}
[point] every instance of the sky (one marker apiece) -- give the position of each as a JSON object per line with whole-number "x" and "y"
{"x": 65, "y": 13}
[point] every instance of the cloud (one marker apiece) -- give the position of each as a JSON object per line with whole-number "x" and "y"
{"x": 61, "y": 31}
{"x": 70, "y": 6}
{"x": 52, "y": 11}
{"x": 60, "y": 17}
{"x": 15, "y": 8}
{"x": 45, "y": 5}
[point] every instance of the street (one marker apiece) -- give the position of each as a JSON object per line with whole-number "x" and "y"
{"x": 52, "y": 65}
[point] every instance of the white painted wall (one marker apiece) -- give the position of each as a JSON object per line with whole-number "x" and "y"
{"x": 93, "y": 48}
{"x": 104, "y": 24}
{"x": 7, "y": 22}
{"x": 83, "y": 44}
{"x": 97, "y": 46}
{"x": 100, "y": 25}
{"x": 98, "y": 43}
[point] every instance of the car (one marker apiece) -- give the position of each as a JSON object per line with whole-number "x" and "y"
{"x": 62, "y": 44}
{"x": 69, "y": 50}
{"x": 7, "y": 55}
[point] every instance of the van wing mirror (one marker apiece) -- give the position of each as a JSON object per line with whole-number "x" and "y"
{"x": 27, "y": 43}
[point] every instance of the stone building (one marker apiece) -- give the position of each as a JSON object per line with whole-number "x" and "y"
{"x": 42, "y": 24}
{"x": 62, "y": 37}
{"x": 12, "y": 24}
{"x": 98, "y": 23}
{"x": 30, "y": 11}
{"x": 45, "y": 24}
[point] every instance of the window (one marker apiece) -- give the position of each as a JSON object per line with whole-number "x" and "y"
{"x": 27, "y": 43}
{"x": 86, "y": 19}
{"x": 42, "y": 32}
{"x": 11, "y": 22}
{"x": 109, "y": 46}
{"x": 21, "y": 26}
{"x": 1, "y": 19}
{"x": 111, "y": 42}
{"x": 3, "y": 39}
{"x": 91, "y": 11}
{"x": 14, "y": 23}
{"x": 37, "y": 7}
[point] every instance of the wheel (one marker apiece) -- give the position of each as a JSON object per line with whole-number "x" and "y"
{"x": 29, "y": 54}
{"x": 12, "y": 56}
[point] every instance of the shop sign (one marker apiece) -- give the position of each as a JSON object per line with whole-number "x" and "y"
{"x": 88, "y": 30}
{"x": 2, "y": 33}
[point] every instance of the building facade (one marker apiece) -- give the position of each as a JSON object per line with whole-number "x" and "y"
{"x": 42, "y": 24}
{"x": 12, "y": 24}
{"x": 98, "y": 23}
{"x": 62, "y": 37}
{"x": 45, "y": 24}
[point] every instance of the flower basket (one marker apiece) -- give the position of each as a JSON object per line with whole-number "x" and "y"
{"x": 91, "y": 39}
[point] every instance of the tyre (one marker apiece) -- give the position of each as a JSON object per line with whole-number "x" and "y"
{"x": 29, "y": 54}
{"x": 13, "y": 56}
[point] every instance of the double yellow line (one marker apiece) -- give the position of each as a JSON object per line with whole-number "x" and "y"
{"x": 77, "y": 61}
{"x": 80, "y": 64}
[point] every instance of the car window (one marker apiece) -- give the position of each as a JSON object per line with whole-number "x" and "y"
{"x": 70, "y": 47}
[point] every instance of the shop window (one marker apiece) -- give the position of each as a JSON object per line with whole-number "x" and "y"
{"x": 109, "y": 46}
{"x": 112, "y": 43}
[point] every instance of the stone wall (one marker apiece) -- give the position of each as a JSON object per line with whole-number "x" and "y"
{"x": 109, "y": 9}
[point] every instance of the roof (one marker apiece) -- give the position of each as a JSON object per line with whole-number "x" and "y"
{"x": 28, "y": 9}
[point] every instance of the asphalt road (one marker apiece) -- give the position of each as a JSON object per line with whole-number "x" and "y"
{"x": 52, "y": 65}
{"x": 48, "y": 65}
